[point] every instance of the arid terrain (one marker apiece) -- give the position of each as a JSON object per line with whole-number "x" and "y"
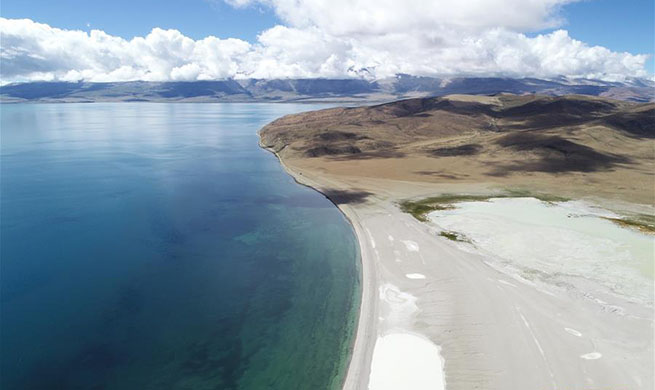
{"x": 441, "y": 312}
{"x": 573, "y": 145}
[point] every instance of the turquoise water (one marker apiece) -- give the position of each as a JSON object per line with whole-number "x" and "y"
{"x": 156, "y": 246}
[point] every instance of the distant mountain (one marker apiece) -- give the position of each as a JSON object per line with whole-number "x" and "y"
{"x": 306, "y": 90}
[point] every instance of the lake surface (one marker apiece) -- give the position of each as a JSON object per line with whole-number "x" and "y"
{"x": 156, "y": 246}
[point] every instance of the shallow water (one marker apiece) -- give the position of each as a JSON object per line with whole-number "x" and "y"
{"x": 156, "y": 246}
{"x": 554, "y": 241}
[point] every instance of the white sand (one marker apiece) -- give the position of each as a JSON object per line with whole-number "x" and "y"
{"x": 398, "y": 307}
{"x": 493, "y": 335}
{"x": 406, "y": 361}
{"x": 411, "y": 245}
{"x": 591, "y": 356}
{"x": 573, "y": 332}
{"x": 494, "y": 332}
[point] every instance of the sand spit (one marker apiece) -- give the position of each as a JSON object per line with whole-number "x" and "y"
{"x": 493, "y": 328}
{"x": 492, "y": 331}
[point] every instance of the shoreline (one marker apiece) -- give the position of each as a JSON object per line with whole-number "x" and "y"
{"x": 493, "y": 330}
{"x": 359, "y": 361}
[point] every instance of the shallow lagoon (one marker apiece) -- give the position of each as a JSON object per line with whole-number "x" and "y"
{"x": 150, "y": 246}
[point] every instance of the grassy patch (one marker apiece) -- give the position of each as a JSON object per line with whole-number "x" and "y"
{"x": 644, "y": 223}
{"x": 454, "y": 236}
{"x": 517, "y": 193}
{"x": 421, "y": 208}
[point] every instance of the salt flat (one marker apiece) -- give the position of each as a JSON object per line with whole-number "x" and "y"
{"x": 555, "y": 243}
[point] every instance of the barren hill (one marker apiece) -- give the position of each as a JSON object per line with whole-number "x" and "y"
{"x": 571, "y": 145}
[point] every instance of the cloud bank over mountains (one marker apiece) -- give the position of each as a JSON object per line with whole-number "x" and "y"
{"x": 331, "y": 39}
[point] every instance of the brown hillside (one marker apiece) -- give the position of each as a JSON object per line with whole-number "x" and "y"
{"x": 572, "y": 145}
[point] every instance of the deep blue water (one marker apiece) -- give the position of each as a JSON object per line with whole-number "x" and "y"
{"x": 156, "y": 246}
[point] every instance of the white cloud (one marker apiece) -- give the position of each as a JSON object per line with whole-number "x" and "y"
{"x": 34, "y": 51}
{"x": 340, "y": 17}
{"x": 321, "y": 38}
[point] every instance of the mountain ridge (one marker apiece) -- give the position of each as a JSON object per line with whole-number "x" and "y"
{"x": 313, "y": 90}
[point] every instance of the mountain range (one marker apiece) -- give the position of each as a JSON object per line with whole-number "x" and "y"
{"x": 313, "y": 90}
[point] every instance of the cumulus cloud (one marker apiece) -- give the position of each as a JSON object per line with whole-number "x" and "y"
{"x": 341, "y": 17}
{"x": 32, "y": 50}
{"x": 321, "y": 38}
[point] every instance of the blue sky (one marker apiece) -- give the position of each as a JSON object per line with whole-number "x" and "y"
{"x": 194, "y": 18}
{"x": 620, "y": 26}
{"x": 627, "y": 25}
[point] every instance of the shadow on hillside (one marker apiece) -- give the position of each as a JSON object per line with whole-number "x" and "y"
{"x": 347, "y": 197}
{"x": 554, "y": 154}
{"x": 461, "y": 150}
{"x": 441, "y": 174}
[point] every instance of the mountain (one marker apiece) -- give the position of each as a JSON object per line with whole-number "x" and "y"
{"x": 573, "y": 145}
{"x": 307, "y": 90}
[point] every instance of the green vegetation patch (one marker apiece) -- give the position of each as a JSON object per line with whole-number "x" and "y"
{"x": 518, "y": 193}
{"x": 642, "y": 222}
{"x": 421, "y": 208}
{"x": 454, "y": 236}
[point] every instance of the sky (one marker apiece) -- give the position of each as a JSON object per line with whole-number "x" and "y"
{"x": 215, "y": 39}
{"x": 130, "y": 18}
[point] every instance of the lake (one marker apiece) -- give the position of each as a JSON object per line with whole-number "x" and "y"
{"x": 156, "y": 246}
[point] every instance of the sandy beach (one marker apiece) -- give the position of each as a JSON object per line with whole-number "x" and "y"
{"x": 491, "y": 330}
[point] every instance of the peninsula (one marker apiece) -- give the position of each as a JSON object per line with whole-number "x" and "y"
{"x": 527, "y": 290}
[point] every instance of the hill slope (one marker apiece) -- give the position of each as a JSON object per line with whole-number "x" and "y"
{"x": 570, "y": 145}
